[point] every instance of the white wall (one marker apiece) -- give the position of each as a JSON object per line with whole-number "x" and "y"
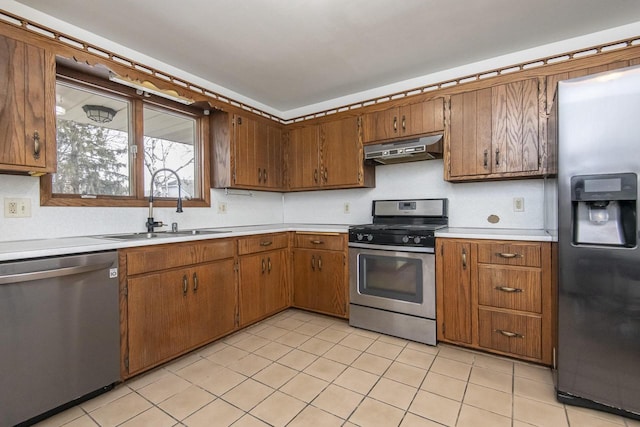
{"x": 469, "y": 203}
{"x": 50, "y": 222}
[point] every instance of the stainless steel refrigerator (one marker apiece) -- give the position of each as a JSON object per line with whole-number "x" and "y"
{"x": 598, "y": 161}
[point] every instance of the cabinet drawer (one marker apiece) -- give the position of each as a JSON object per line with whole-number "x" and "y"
{"x": 153, "y": 258}
{"x": 525, "y": 254}
{"x": 510, "y": 333}
{"x": 328, "y": 241}
{"x": 513, "y": 288}
{"x": 262, "y": 243}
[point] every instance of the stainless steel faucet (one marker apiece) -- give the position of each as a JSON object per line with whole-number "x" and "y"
{"x": 151, "y": 224}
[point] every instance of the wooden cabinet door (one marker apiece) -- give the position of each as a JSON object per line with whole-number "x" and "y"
{"x": 422, "y": 117}
{"x": 212, "y": 301}
{"x": 470, "y": 134}
{"x": 246, "y": 151}
{"x": 276, "y": 296}
{"x": 341, "y": 153}
{"x": 272, "y": 175}
{"x": 158, "y": 317}
{"x": 330, "y": 291}
{"x": 27, "y": 87}
{"x": 251, "y": 295}
{"x": 454, "y": 296}
{"x": 380, "y": 126}
{"x": 304, "y": 286}
{"x": 515, "y": 127}
{"x": 303, "y": 164}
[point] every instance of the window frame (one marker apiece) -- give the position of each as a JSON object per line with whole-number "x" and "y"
{"x": 137, "y": 198}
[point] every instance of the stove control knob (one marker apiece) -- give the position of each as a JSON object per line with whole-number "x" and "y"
{"x": 416, "y": 239}
{"x": 369, "y": 237}
{"x": 359, "y": 236}
{"x": 405, "y": 239}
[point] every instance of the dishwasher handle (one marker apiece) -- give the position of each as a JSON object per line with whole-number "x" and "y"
{"x": 47, "y": 274}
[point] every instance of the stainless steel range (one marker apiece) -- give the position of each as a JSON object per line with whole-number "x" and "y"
{"x": 392, "y": 269}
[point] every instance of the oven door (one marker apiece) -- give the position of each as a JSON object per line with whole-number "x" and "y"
{"x": 393, "y": 280}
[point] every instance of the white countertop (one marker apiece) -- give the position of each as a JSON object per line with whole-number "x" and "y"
{"x": 23, "y": 249}
{"x": 495, "y": 233}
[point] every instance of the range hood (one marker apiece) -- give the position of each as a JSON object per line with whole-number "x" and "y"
{"x": 408, "y": 150}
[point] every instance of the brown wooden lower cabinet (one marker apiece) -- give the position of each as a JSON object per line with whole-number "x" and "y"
{"x": 174, "y": 306}
{"x": 177, "y": 297}
{"x": 496, "y": 296}
{"x": 320, "y": 273}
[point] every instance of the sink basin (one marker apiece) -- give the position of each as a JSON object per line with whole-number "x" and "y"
{"x": 161, "y": 234}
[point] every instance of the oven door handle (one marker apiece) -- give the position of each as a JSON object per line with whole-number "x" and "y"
{"x": 393, "y": 248}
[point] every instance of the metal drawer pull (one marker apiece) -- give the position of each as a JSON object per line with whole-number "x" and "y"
{"x": 36, "y": 145}
{"x": 264, "y": 266}
{"x": 464, "y": 258}
{"x": 315, "y": 175}
{"x": 266, "y": 243}
{"x": 317, "y": 242}
{"x": 185, "y": 285}
{"x": 507, "y": 255}
{"x": 195, "y": 282}
{"x": 395, "y": 124}
{"x": 508, "y": 289}
{"x": 313, "y": 262}
{"x": 269, "y": 264}
{"x": 508, "y": 333}
{"x": 404, "y": 123}
{"x": 259, "y": 175}
{"x": 319, "y": 263}
{"x": 497, "y": 157}
{"x": 485, "y": 162}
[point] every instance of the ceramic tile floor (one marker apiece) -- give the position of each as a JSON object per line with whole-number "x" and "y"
{"x": 302, "y": 369}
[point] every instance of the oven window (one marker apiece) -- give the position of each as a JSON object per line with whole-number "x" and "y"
{"x": 393, "y": 277}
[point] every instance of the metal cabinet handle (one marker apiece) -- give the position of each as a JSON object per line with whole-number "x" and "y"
{"x": 497, "y": 157}
{"x": 264, "y": 175}
{"x": 508, "y": 255}
{"x": 485, "y": 162}
{"x": 317, "y": 242}
{"x": 508, "y": 333}
{"x": 263, "y": 266}
{"x": 195, "y": 282}
{"x": 326, "y": 175}
{"x": 266, "y": 243}
{"x": 319, "y": 263}
{"x": 259, "y": 175}
{"x": 185, "y": 285}
{"x": 508, "y": 289}
{"x": 36, "y": 145}
{"x": 269, "y": 264}
{"x": 404, "y": 123}
{"x": 464, "y": 259}
{"x": 315, "y": 175}
{"x": 313, "y": 262}
{"x": 395, "y": 124}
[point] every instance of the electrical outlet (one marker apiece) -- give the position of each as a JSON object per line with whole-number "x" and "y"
{"x": 518, "y": 204}
{"x": 347, "y": 208}
{"x": 222, "y": 207}
{"x": 17, "y": 208}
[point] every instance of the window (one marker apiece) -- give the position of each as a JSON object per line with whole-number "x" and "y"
{"x": 111, "y": 140}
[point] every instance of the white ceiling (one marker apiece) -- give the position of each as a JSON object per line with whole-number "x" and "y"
{"x": 287, "y": 54}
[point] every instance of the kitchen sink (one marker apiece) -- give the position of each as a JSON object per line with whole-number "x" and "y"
{"x": 142, "y": 235}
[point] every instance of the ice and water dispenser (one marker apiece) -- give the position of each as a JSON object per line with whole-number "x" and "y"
{"x": 604, "y": 209}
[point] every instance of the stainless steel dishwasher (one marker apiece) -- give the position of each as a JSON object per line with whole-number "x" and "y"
{"x": 59, "y": 333}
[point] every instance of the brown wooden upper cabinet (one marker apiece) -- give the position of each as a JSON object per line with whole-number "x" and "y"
{"x": 327, "y": 155}
{"x": 27, "y": 100}
{"x": 496, "y": 133}
{"x": 404, "y": 121}
{"x": 247, "y": 153}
